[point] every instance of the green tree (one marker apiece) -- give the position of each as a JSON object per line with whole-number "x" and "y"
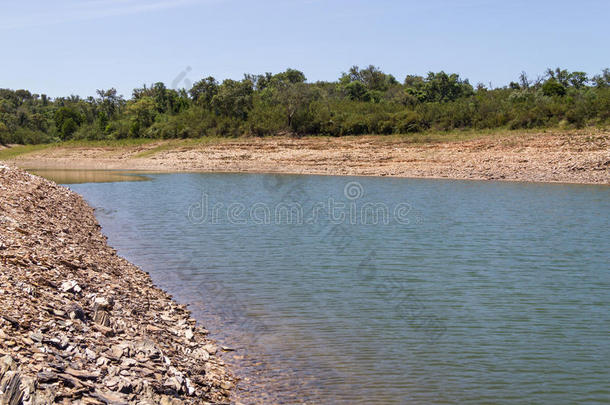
{"x": 552, "y": 87}
{"x": 291, "y": 76}
{"x": 561, "y": 76}
{"x": 602, "y": 80}
{"x": 259, "y": 82}
{"x": 204, "y": 91}
{"x": 67, "y": 120}
{"x": 578, "y": 80}
{"x": 4, "y": 134}
{"x": 110, "y": 102}
{"x": 371, "y": 77}
{"x": 68, "y": 128}
{"x": 524, "y": 81}
{"x": 293, "y": 98}
{"x": 357, "y": 91}
{"x": 141, "y": 113}
{"x": 441, "y": 87}
{"x": 233, "y": 99}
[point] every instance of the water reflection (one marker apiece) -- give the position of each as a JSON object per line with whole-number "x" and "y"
{"x": 68, "y": 176}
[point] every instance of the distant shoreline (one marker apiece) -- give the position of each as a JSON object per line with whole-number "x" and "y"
{"x": 581, "y": 157}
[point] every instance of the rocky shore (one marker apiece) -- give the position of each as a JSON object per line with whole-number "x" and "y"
{"x": 579, "y": 156}
{"x": 81, "y": 325}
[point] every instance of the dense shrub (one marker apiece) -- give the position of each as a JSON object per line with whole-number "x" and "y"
{"x": 362, "y": 101}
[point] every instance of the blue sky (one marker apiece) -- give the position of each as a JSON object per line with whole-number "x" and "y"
{"x": 67, "y": 47}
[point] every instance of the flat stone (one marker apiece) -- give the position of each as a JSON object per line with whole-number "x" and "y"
{"x": 188, "y": 334}
{"x": 211, "y": 348}
{"x": 70, "y": 286}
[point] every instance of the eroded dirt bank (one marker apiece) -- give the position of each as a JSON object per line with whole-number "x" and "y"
{"x": 572, "y": 157}
{"x": 78, "y": 324}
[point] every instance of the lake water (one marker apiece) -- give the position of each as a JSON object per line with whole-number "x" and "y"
{"x": 382, "y": 290}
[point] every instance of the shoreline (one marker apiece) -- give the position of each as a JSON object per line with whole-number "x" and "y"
{"x": 84, "y": 324}
{"x": 144, "y": 173}
{"x": 577, "y": 157}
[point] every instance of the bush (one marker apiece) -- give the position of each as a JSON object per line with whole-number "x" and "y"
{"x": 91, "y": 132}
{"x": 265, "y": 119}
{"x": 408, "y": 122}
{"x": 118, "y": 129}
{"x": 553, "y": 88}
{"x": 29, "y": 136}
{"x": 362, "y": 101}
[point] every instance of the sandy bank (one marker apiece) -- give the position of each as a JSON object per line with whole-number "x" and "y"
{"x": 78, "y": 324}
{"x": 571, "y": 157}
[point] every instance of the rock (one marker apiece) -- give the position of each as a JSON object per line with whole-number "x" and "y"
{"x": 165, "y": 400}
{"x": 201, "y": 354}
{"x": 227, "y": 385}
{"x": 103, "y": 303}
{"x": 125, "y": 386}
{"x": 147, "y": 348}
{"x": 188, "y": 334}
{"x": 59, "y": 313}
{"x": 28, "y": 386}
{"x": 91, "y": 355}
{"x": 173, "y": 383}
{"x": 7, "y": 363}
{"x": 127, "y": 363}
{"x": 102, "y": 318}
{"x": 10, "y": 389}
{"x": 75, "y": 311}
{"x": 112, "y": 382}
{"x": 211, "y": 348}
{"x": 190, "y": 390}
{"x": 83, "y": 374}
{"x": 60, "y": 343}
{"x": 117, "y": 351}
{"x": 70, "y": 286}
{"x": 14, "y": 322}
{"x": 109, "y": 397}
{"x": 47, "y": 377}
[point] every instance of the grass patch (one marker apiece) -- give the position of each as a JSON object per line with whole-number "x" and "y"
{"x": 19, "y": 150}
{"x": 190, "y": 143}
{"x": 107, "y": 143}
{"x": 430, "y": 136}
{"x": 153, "y": 151}
{"x": 454, "y": 135}
{"x": 457, "y": 135}
{"x": 14, "y": 151}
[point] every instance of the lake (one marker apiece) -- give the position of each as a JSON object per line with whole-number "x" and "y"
{"x": 361, "y": 290}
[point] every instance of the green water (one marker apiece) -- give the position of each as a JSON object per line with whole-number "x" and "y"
{"x": 470, "y": 292}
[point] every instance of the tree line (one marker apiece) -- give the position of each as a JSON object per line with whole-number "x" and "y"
{"x": 361, "y": 101}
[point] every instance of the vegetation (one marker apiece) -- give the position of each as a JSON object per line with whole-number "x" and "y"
{"x": 361, "y": 101}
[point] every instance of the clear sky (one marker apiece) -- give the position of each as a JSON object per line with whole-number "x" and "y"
{"x": 64, "y": 47}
